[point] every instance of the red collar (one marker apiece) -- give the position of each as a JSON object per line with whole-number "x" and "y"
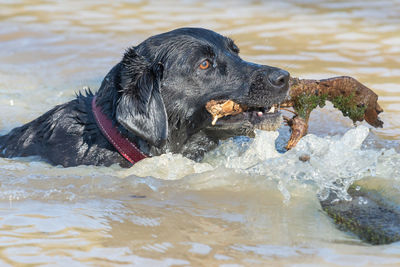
{"x": 125, "y": 147}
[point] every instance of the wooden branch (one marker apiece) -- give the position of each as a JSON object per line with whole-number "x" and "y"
{"x": 351, "y": 97}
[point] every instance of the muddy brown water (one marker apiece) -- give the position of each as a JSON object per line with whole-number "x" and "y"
{"x": 236, "y": 208}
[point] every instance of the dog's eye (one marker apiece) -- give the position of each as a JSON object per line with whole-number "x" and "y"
{"x": 205, "y": 64}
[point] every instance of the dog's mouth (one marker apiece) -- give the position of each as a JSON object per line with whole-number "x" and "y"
{"x": 240, "y": 119}
{"x": 267, "y": 119}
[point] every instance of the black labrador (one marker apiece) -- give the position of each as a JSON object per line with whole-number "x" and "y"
{"x": 154, "y": 100}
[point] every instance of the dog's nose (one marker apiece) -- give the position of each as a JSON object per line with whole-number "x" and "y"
{"x": 279, "y": 78}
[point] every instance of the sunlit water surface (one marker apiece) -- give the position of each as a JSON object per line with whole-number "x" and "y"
{"x": 246, "y": 203}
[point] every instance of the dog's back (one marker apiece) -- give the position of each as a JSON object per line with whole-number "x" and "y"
{"x": 32, "y": 138}
{"x": 64, "y": 130}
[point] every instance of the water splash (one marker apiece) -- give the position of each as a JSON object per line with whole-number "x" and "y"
{"x": 328, "y": 163}
{"x": 325, "y": 164}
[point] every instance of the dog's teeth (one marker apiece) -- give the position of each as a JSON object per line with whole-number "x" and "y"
{"x": 214, "y": 121}
{"x": 259, "y": 114}
{"x": 272, "y": 110}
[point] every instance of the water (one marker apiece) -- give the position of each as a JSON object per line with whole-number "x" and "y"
{"x": 246, "y": 203}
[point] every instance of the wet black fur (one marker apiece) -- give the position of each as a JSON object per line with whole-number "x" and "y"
{"x": 156, "y": 97}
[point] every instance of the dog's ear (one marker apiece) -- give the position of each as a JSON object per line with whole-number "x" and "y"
{"x": 140, "y": 108}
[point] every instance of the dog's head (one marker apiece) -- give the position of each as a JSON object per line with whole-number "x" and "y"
{"x": 164, "y": 83}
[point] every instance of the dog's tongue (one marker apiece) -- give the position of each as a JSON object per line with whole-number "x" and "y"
{"x": 222, "y": 108}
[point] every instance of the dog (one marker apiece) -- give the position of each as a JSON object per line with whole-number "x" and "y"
{"x": 153, "y": 102}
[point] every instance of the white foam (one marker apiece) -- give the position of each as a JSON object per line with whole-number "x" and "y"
{"x": 334, "y": 164}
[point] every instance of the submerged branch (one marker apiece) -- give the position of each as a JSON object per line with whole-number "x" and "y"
{"x": 371, "y": 215}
